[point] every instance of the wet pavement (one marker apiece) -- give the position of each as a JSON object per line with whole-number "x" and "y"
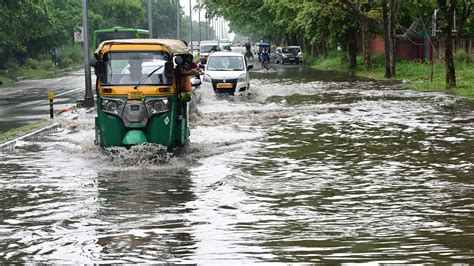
{"x": 311, "y": 167}
{"x": 27, "y": 101}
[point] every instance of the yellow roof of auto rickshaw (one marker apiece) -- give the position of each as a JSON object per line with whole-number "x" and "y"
{"x": 175, "y": 46}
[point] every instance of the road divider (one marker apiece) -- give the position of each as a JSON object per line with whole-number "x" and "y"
{"x": 9, "y": 146}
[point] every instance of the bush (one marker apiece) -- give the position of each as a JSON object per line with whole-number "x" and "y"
{"x": 69, "y": 56}
{"x": 12, "y": 64}
{"x": 32, "y": 63}
{"x": 461, "y": 56}
{"x": 64, "y": 62}
{"x": 73, "y": 53}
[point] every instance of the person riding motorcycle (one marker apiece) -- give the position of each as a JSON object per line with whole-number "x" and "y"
{"x": 248, "y": 51}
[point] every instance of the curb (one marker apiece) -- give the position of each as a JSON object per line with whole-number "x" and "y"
{"x": 10, "y": 145}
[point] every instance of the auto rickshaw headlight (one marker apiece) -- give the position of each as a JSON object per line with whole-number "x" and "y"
{"x": 156, "y": 106}
{"x": 113, "y": 106}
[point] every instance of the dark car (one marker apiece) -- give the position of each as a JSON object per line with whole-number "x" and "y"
{"x": 286, "y": 55}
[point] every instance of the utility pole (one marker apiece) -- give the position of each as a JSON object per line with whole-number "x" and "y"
{"x": 216, "y": 28}
{"x": 150, "y": 22}
{"x": 199, "y": 22}
{"x": 207, "y": 28}
{"x": 89, "y": 97}
{"x": 178, "y": 17}
{"x": 191, "y": 25}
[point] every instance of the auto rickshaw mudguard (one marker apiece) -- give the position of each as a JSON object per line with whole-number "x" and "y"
{"x": 134, "y": 137}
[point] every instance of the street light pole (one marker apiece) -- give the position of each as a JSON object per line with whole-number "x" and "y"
{"x": 207, "y": 28}
{"x": 177, "y": 19}
{"x": 150, "y": 22}
{"x": 191, "y": 25}
{"x": 199, "y": 22}
{"x": 89, "y": 97}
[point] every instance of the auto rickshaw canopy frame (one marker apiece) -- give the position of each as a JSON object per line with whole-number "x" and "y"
{"x": 173, "y": 46}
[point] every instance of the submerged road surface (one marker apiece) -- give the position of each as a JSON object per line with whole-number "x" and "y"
{"x": 27, "y": 101}
{"x": 311, "y": 167}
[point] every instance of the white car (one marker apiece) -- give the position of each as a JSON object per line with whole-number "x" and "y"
{"x": 297, "y": 50}
{"x": 207, "y": 48}
{"x": 226, "y": 72}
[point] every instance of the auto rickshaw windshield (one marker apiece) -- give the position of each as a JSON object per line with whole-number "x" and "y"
{"x": 129, "y": 68}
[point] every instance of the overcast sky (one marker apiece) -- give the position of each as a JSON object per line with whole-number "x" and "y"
{"x": 185, "y": 5}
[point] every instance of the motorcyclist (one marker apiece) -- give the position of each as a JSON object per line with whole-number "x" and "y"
{"x": 248, "y": 51}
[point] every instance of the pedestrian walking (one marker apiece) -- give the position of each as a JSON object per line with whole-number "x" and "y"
{"x": 54, "y": 56}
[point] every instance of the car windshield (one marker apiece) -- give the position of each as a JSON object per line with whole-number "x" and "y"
{"x": 294, "y": 50}
{"x": 129, "y": 68}
{"x": 225, "y": 63}
{"x": 208, "y": 48}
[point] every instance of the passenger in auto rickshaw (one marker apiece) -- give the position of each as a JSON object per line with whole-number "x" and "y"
{"x": 188, "y": 70}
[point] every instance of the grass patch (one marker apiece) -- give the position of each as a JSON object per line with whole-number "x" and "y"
{"x": 415, "y": 73}
{"x": 332, "y": 62}
{"x": 20, "y": 131}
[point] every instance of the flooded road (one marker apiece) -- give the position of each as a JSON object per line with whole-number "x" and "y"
{"x": 27, "y": 101}
{"x": 311, "y": 167}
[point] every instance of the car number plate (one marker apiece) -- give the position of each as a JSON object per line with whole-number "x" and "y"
{"x": 133, "y": 95}
{"x": 292, "y": 59}
{"x": 224, "y": 85}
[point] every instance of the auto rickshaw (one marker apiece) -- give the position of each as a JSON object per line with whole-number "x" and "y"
{"x": 262, "y": 46}
{"x": 140, "y": 96}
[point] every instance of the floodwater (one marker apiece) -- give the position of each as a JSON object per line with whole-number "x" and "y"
{"x": 311, "y": 167}
{"x": 27, "y": 101}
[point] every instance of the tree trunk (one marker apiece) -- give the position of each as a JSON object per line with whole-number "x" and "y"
{"x": 352, "y": 48}
{"x": 365, "y": 45}
{"x": 446, "y": 32}
{"x": 394, "y": 7}
{"x": 313, "y": 50}
{"x": 324, "y": 49}
{"x": 306, "y": 47}
{"x": 343, "y": 55}
{"x": 386, "y": 40}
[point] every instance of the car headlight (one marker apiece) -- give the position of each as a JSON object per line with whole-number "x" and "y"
{"x": 156, "y": 106}
{"x": 242, "y": 78}
{"x": 207, "y": 79}
{"x": 284, "y": 55}
{"x": 113, "y": 106}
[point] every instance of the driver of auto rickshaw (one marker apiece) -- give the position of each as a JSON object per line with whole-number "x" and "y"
{"x": 136, "y": 74}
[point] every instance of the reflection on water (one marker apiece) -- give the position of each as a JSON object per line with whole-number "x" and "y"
{"x": 300, "y": 171}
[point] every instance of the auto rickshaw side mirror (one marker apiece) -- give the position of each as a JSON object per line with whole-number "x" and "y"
{"x": 93, "y": 62}
{"x": 249, "y": 67}
{"x": 100, "y": 69}
{"x": 179, "y": 60}
{"x": 169, "y": 70}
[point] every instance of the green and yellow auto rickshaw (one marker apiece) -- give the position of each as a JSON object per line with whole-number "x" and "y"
{"x": 140, "y": 96}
